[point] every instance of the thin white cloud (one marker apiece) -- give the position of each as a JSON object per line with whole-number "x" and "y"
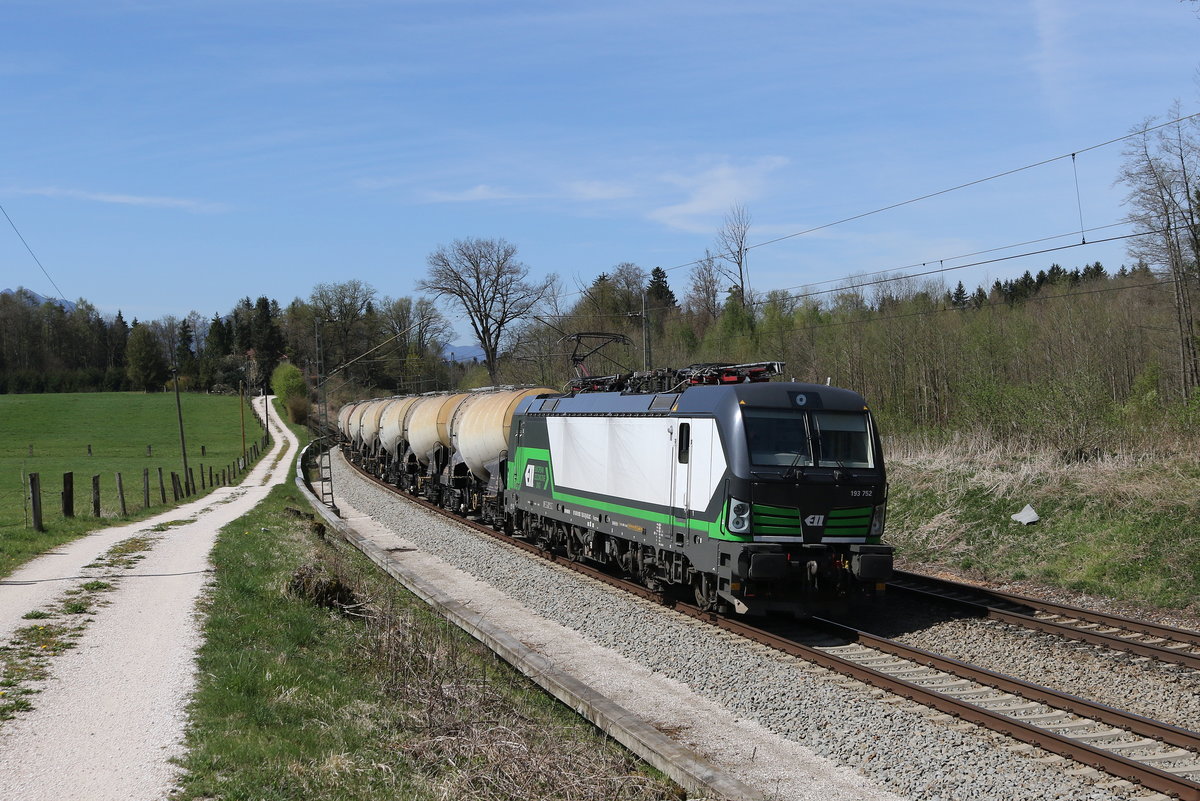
{"x": 1054, "y": 62}
{"x": 711, "y": 192}
{"x": 598, "y": 190}
{"x": 576, "y": 191}
{"x": 477, "y": 193}
{"x": 185, "y": 204}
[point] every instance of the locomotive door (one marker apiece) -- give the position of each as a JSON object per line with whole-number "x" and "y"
{"x": 681, "y": 474}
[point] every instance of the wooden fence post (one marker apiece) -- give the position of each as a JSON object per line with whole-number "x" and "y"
{"x": 35, "y": 499}
{"x": 175, "y": 486}
{"x": 68, "y": 495}
{"x": 145, "y": 487}
{"x": 121, "y": 495}
{"x": 162, "y": 489}
{"x": 192, "y": 481}
{"x": 96, "y": 496}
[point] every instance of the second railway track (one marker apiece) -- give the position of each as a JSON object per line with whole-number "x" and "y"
{"x": 1143, "y": 638}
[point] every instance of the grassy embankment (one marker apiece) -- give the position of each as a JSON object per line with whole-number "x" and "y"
{"x": 1120, "y": 525}
{"x": 118, "y": 426}
{"x": 299, "y": 700}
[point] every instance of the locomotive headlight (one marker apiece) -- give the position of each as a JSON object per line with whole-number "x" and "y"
{"x": 739, "y": 517}
{"x": 877, "y": 521}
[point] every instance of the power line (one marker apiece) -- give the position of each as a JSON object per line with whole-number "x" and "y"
{"x": 966, "y": 185}
{"x": 35, "y": 258}
{"x": 892, "y": 206}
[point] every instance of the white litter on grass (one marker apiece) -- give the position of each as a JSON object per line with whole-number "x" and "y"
{"x": 1026, "y": 515}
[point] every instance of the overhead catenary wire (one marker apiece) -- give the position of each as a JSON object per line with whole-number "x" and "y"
{"x": 929, "y": 195}
{"x": 36, "y": 260}
{"x": 966, "y": 185}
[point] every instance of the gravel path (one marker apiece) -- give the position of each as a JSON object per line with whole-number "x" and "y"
{"x": 898, "y": 745}
{"x": 111, "y": 717}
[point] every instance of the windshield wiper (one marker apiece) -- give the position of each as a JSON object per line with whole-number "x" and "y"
{"x": 795, "y": 466}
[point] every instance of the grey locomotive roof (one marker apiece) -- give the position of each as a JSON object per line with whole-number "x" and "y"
{"x": 698, "y": 400}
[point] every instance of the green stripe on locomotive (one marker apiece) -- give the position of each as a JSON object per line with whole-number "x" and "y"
{"x": 524, "y": 456}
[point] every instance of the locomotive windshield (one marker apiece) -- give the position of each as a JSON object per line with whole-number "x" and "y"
{"x": 786, "y": 438}
{"x": 844, "y": 439}
{"x": 777, "y": 437}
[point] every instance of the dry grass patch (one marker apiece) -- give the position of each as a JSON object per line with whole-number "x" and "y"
{"x": 1116, "y": 524}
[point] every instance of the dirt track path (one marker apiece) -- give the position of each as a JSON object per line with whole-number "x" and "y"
{"x": 112, "y": 715}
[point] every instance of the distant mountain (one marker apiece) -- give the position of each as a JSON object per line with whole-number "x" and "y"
{"x": 463, "y": 353}
{"x": 40, "y": 299}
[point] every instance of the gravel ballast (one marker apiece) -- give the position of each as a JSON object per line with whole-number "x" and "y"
{"x": 898, "y": 745}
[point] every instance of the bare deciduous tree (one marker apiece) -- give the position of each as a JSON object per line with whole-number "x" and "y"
{"x": 344, "y": 306}
{"x": 703, "y": 297}
{"x": 1161, "y": 169}
{"x": 484, "y": 277}
{"x": 731, "y": 250}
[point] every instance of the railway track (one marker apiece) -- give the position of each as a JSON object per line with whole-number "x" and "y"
{"x": 1150, "y": 640}
{"x": 1156, "y": 755}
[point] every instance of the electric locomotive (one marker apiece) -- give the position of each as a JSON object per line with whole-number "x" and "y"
{"x": 758, "y": 496}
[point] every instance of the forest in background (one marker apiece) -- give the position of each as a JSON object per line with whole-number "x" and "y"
{"x": 1069, "y": 359}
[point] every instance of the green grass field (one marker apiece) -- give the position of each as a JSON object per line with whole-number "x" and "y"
{"x": 50, "y": 435}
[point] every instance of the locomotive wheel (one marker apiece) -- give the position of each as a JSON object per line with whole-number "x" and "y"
{"x": 573, "y": 548}
{"x": 705, "y": 590}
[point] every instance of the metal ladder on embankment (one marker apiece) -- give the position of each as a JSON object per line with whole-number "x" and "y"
{"x": 326, "y": 441}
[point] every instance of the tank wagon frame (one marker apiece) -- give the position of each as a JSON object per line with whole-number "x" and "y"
{"x": 754, "y": 496}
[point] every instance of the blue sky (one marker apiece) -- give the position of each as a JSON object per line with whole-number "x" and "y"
{"x": 163, "y": 157}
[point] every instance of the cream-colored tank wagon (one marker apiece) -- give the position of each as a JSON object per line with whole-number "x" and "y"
{"x": 751, "y": 495}
{"x": 343, "y": 421}
{"x": 369, "y": 429}
{"x": 354, "y": 426}
{"x": 393, "y": 437}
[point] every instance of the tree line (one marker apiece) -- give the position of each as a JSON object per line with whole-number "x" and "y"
{"x": 48, "y": 346}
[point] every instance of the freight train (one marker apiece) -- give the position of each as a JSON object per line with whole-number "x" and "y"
{"x": 752, "y": 495}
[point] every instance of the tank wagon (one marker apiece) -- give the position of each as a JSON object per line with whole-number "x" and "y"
{"x": 752, "y": 495}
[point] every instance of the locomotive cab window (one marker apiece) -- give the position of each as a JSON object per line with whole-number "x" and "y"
{"x": 845, "y": 439}
{"x": 777, "y": 437}
{"x": 685, "y": 442}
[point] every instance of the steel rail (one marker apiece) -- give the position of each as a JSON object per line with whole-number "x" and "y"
{"x": 950, "y": 591}
{"x": 1108, "y": 761}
